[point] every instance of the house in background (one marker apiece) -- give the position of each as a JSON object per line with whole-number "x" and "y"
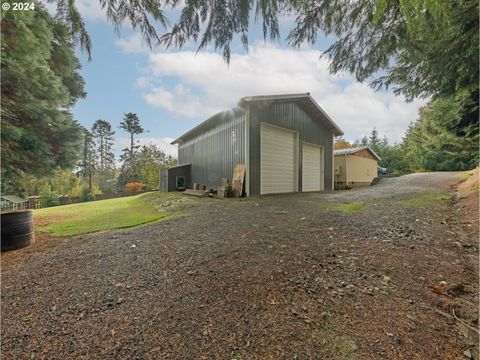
{"x": 355, "y": 167}
{"x": 285, "y": 142}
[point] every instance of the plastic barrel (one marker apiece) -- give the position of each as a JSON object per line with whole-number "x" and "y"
{"x": 17, "y": 229}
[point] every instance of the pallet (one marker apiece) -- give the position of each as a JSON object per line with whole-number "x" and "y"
{"x": 199, "y": 193}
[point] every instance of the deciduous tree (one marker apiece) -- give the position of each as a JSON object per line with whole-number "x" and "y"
{"x": 341, "y": 143}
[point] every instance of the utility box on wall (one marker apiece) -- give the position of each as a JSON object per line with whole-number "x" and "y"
{"x": 177, "y": 178}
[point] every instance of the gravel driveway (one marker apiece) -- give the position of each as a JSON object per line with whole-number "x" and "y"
{"x": 370, "y": 273}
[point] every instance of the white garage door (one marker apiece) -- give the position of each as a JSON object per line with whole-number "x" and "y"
{"x": 278, "y": 160}
{"x": 312, "y": 168}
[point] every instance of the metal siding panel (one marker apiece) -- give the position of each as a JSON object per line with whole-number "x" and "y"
{"x": 214, "y": 153}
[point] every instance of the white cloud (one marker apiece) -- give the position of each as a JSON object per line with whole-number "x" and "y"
{"x": 203, "y": 84}
{"x": 160, "y": 97}
{"x": 133, "y": 44}
{"x": 162, "y": 143}
{"x": 91, "y": 10}
{"x": 142, "y": 82}
{"x": 88, "y": 9}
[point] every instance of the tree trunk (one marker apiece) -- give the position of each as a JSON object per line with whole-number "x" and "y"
{"x": 90, "y": 176}
{"x": 131, "y": 146}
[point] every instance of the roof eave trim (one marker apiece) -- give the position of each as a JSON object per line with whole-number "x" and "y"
{"x": 181, "y": 138}
{"x": 352, "y": 151}
{"x": 336, "y": 129}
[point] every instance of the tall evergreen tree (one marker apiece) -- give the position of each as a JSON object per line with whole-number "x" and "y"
{"x": 129, "y": 170}
{"x": 374, "y": 140}
{"x": 40, "y": 82}
{"x": 103, "y": 136}
{"x": 446, "y": 135}
{"x": 131, "y": 124}
{"x": 89, "y": 158}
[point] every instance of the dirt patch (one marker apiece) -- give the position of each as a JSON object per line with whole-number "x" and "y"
{"x": 41, "y": 242}
{"x": 174, "y": 204}
{"x": 278, "y": 277}
{"x": 45, "y": 220}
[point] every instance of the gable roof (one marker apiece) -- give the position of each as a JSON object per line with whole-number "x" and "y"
{"x": 352, "y": 151}
{"x": 13, "y": 199}
{"x": 304, "y": 99}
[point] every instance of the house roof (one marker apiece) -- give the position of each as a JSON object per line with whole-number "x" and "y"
{"x": 13, "y": 198}
{"x": 352, "y": 151}
{"x": 304, "y": 99}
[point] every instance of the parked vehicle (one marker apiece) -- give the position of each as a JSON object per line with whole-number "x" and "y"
{"x": 382, "y": 170}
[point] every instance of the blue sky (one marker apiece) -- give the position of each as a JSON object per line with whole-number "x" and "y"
{"x": 172, "y": 91}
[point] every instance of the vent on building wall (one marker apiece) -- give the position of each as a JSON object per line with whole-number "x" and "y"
{"x": 180, "y": 183}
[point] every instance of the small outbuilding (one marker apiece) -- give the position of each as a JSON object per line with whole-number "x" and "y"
{"x": 12, "y": 203}
{"x": 284, "y": 141}
{"x": 355, "y": 167}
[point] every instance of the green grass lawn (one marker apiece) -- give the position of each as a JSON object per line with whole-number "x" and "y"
{"x": 102, "y": 215}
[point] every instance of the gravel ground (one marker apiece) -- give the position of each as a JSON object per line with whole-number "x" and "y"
{"x": 275, "y": 277}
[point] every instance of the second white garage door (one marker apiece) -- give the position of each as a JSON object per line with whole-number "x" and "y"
{"x": 278, "y": 160}
{"x": 312, "y": 168}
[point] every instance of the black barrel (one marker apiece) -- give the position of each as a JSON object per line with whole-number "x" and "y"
{"x": 17, "y": 229}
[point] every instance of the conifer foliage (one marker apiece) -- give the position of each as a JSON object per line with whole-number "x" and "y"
{"x": 40, "y": 83}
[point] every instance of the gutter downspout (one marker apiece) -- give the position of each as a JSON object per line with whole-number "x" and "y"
{"x": 247, "y": 151}
{"x": 333, "y": 167}
{"x": 346, "y": 171}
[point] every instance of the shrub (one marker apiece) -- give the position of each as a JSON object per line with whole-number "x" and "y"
{"x": 133, "y": 187}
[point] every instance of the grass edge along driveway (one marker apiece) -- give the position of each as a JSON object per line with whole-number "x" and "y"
{"x": 94, "y": 216}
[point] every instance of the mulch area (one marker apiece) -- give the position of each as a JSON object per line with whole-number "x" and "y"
{"x": 277, "y": 277}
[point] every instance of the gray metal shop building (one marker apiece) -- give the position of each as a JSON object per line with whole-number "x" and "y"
{"x": 284, "y": 141}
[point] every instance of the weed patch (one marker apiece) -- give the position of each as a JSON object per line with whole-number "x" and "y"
{"x": 334, "y": 343}
{"x": 348, "y": 208}
{"x": 425, "y": 200}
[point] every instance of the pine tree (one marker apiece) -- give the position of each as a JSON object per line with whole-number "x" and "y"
{"x": 131, "y": 124}
{"x": 89, "y": 158}
{"x": 373, "y": 139}
{"x": 103, "y": 136}
{"x": 129, "y": 171}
